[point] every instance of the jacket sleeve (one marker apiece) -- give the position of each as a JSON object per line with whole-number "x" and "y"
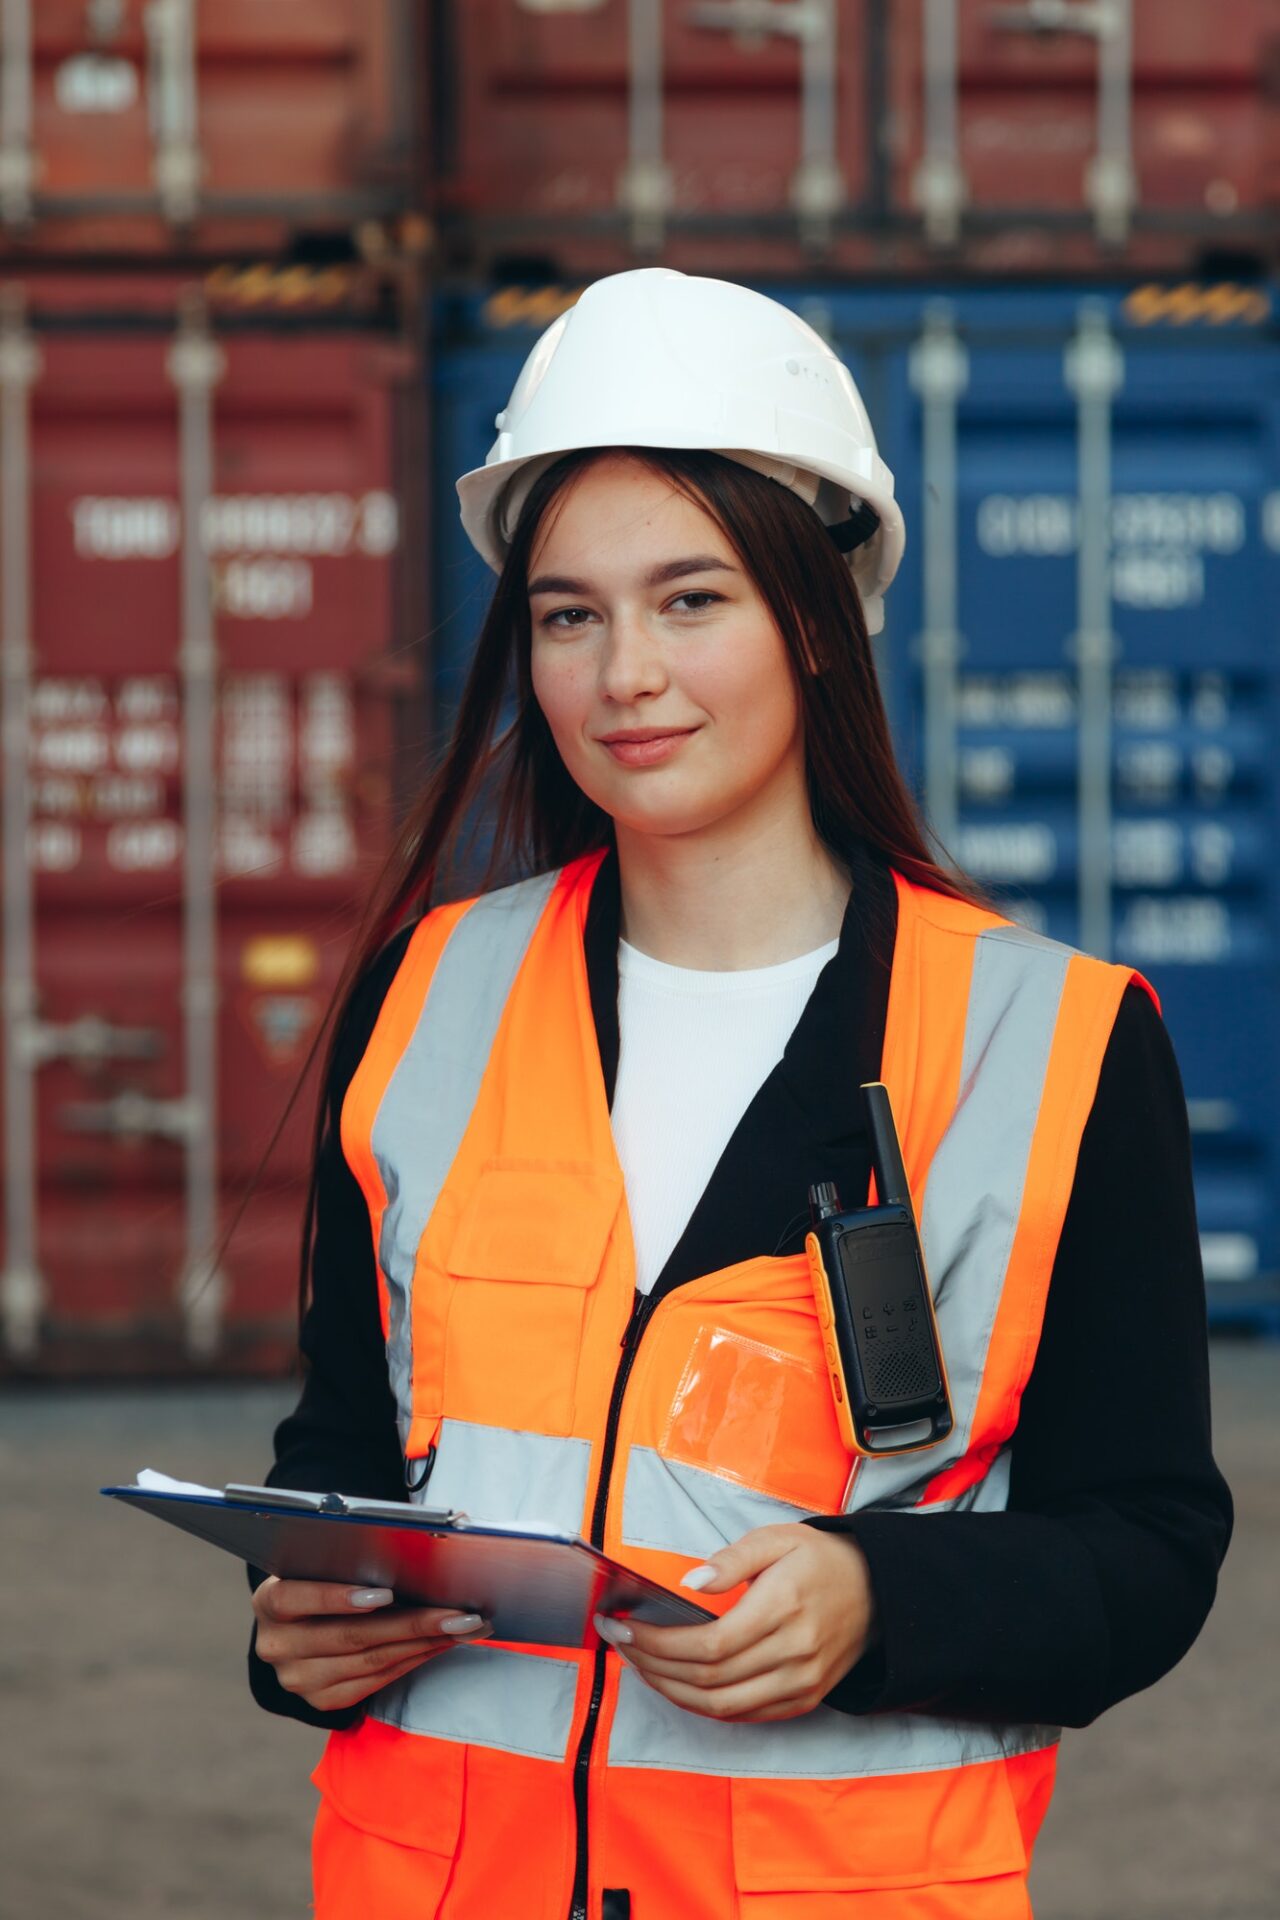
{"x": 1100, "y": 1574}
{"x": 342, "y": 1435}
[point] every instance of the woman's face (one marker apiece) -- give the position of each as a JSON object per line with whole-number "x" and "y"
{"x": 657, "y": 664}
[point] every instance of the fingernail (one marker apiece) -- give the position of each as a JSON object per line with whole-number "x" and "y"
{"x": 616, "y": 1632}
{"x": 370, "y": 1597}
{"x": 698, "y": 1577}
{"x": 462, "y": 1623}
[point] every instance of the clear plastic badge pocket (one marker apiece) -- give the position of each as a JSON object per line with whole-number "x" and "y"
{"x": 760, "y": 1416}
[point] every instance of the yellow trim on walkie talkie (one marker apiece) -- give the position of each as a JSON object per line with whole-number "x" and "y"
{"x": 830, "y": 1346}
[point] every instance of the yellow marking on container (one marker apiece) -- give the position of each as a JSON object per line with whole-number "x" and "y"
{"x": 279, "y": 960}
{"x": 1217, "y": 303}
{"x": 264, "y": 285}
{"x": 529, "y": 306}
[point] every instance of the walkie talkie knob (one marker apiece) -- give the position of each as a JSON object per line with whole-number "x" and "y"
{"x": 824, "y": 1200}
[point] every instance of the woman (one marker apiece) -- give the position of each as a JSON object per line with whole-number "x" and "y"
{"x": 582, "y": 1114}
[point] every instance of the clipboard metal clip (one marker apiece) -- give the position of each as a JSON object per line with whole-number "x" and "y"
{"x": 351, "y": 1506}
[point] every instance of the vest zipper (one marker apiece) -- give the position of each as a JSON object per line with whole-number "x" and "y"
{"x": 641, "y": 1314}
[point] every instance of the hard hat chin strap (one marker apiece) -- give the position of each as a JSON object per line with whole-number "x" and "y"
{"x": 862, "y": 525}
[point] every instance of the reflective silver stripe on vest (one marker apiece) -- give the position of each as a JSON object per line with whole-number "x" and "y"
{"x": 971, "y": 1210}
{"x": 489, "y": 1697}
{"x": 681, "y": 1509}
{"x": 974, "y": 1192}
{"x": 688, "y": 1510}
{"x": 495, "y": 1473}
{"x": 649, "y": 1731}
{"x": 428, "y": 1103}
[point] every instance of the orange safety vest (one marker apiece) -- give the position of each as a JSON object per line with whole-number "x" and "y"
{"x": 502, "y": 1780}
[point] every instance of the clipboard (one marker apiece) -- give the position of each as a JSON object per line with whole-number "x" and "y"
{"x": 538, "y": 1586}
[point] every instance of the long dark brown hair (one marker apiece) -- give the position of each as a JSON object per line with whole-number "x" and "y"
{"x": 540, "y": 819}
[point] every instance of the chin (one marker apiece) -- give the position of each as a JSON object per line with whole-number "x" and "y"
{"x": 666, "y": 822}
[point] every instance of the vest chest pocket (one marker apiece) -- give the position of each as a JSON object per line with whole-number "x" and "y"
{"x": 527, "y": 1251}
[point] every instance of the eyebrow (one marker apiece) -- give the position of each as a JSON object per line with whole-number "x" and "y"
{"x": 659, "y": 577}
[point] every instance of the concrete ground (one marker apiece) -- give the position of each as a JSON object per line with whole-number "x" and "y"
{"x": 137, "y": 1779}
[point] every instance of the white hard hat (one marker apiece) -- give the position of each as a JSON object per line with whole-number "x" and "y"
{"x": 656, "y": 358}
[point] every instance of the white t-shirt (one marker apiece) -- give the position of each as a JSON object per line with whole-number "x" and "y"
{"x": 695, "y": 1047}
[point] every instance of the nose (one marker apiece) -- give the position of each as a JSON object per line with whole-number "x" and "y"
{"x": 631, "y": 662}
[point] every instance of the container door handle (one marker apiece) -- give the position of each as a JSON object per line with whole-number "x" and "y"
{"x": 21, "y": 1287}
{"x": 17, "y": 161}
{"x": 195, "y": 366}
{"x": 172, "y": 106}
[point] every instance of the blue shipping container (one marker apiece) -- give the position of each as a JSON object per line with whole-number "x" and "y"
{"x": 1103, "y": 756}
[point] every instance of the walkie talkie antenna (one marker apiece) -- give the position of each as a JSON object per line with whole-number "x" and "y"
{"x": 886, "y": 1153}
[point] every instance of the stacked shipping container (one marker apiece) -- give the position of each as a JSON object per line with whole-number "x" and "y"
{"x": 756, "y": 138}
{"x": 213, "y": 221}
{"x": 209, "y": 407}
{"x": 148, "y": 127}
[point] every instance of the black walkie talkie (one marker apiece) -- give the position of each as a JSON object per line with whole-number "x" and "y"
{"x": 878, "y": 1325}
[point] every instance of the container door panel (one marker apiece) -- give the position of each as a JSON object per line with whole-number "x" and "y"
{"x": 1194, "y": 709}
{"x": 300, "y": 538}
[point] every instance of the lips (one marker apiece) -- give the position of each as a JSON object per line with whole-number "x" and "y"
{"x": 645, "y": 746}
{"x": 637, "y": 735}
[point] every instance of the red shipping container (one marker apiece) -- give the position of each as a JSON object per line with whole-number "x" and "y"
{"x": 543, "y": 150}
{"x": 153, "y": 126}
{"x": 296, "y": 555}
{"x": 789, "y": 133}
{"x": 1203, "y": 130}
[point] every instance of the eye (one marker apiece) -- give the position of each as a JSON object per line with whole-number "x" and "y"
{"x": 696, "y": 600}
{"x": 566, "y": 619}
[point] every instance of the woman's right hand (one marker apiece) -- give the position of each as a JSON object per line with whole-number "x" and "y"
{"x": 335, "y": 1645}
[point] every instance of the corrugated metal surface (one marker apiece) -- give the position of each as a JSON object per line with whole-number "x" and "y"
{"x": 1081, "y": 130}
{"x": 150, "y": 124}
{"x": 753, "y": 136}
{"x": 1152, "y": 830}
{"x": 295, "y": 553}
{"x": 587, "y": 132}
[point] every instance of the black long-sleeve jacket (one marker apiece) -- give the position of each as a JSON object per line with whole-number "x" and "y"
{"x": 1100, "y": 1574}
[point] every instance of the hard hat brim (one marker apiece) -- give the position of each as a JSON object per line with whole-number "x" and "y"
{"x": 480, "y": 490}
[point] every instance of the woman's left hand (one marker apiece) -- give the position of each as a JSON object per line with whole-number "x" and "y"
{"x": 806, "y": 1618}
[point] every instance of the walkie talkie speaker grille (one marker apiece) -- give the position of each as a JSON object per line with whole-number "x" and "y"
{"x": 898, "y": 1373}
